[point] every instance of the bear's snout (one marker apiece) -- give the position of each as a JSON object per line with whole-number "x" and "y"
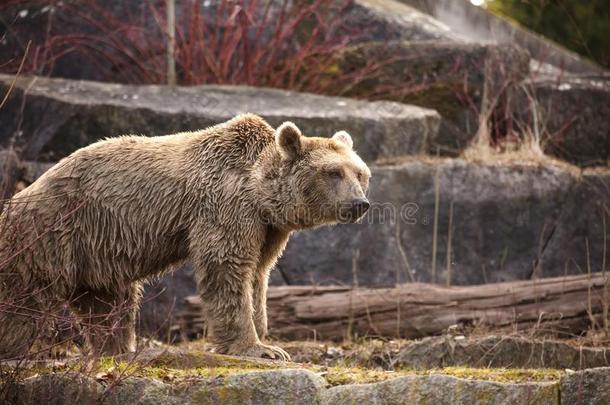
{"x": 353, "y": 210}
{"x": 360, "y": 206}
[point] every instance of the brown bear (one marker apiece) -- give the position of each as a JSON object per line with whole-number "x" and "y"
{"x": 114, "y": 214}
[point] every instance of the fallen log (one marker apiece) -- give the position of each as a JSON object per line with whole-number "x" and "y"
{"x": 563, "y": 304}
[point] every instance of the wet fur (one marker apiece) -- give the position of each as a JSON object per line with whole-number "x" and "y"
{"x": 119, "y": 212}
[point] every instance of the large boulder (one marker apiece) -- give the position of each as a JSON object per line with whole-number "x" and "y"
{"x": 498, "y": 352}
{"x": 591, "y": 387}
{"x": 51, "y": 388}
{"x": 128, "y": 27}
{"x": 38, "y": 22}
{"x": 265, "y": 387}
{"x": 162, "y": 300}
{"x": 279, "y": 386}
{"x": 58, "y": 116}
{"x": 451, "y": 77}
{"x": 580, "y": 234}
{"x": 475, "y": 22}
{"x": 502, "y": 218}
{"x": 573, "y": 116}
{"x": 443, "y": 389}
{"x": 392, "y": 20}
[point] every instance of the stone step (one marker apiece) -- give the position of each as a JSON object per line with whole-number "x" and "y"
{"x": 509, "y": 221}
{"x": 51, "y": 118}
{"x": 352, "y": 21}
{"x": 389, "y": 19}
{"x": 573, "y": 112}
{"x": 448, "y": 76}
{"x": 299, "y": 385}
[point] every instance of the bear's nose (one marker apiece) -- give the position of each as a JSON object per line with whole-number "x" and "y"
{"x": 360, "y": 206}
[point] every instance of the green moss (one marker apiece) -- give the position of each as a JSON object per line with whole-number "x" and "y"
{"x": 498, "y": 374}
{"x": 201, "y": 359}
{"x": 357, "y": 375}
{"x": 179, "y": 364}
{"x": 335, "y": 375}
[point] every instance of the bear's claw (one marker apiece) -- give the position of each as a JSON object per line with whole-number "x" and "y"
{"x": 262, "y": 350}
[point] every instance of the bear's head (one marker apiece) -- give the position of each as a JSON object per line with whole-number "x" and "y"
{"x": 324, "y": 180}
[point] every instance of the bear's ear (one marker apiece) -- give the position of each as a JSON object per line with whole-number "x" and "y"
{"x": 344, "y": 137}
{"x": 288, "y": 140}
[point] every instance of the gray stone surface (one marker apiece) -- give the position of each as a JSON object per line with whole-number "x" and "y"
{"x": 265, "y": 387}
{"x": 59, "y": 116}
{"x": 163, "y": 299}
{"x": 33, "y": 170}
{"x": 287, "y": 386}
{"x": 503, "y": 217}
{"x": 475, "y": 23}
{"x": 581, "y": 233}
{"x": 383, "y": 20}
{"x": 295, "y": 386}
{"x": 447, "y": 76}
{"x": 52, "y": 388}
{"x": 590, "y": 387}
{"x": 442, "y": 389}
{"x": 498, "y": 351}
{"x": 144, "y": 391}
{"x": 573, "y": 116}
{"x": 10, "y": 170}
{"x": 373, "y": 19}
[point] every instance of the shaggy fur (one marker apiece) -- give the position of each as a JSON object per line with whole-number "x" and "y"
{"x": 123, "y": 210}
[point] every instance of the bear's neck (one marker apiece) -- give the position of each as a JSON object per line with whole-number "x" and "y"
{"x": 274, "y": 196}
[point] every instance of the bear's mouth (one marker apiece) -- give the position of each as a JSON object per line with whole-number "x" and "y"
{"x": 352, "y": 213}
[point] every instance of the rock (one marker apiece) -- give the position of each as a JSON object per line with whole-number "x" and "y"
{"x": 276, "y": 386}
{"x": 591, "y": 387}
{"x": 10, "y": 171}
{"x": 443, "y": 75}
{"x": 375, "y": 19}
{"x": 498, "y": 352}
{"x": 198, "y": 356}
{"x": 138, "y": 390}
{"x": 581, "y": 232}
{"x": 290, "y": 386}
{"x": 474, "y": 23}
{"x": 60, "y": 116}
{"x": 162, "y": 299}
{"x": 573, "y": 115}
{"x": 503, "y": 215}
{"x": 264, "y": 387}
{"x": 389, "y": 20}
{"x": 442, "y": 389}
{"x": 53, "y": 388}
{"x": 34, "y": 21}
{"x": 33, "y": 170}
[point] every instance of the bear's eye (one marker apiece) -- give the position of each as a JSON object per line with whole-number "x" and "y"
{"x": 334, "y": 173}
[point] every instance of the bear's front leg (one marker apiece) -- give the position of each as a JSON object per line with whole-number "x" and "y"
{"x": 259, "y": 293}
{"x": 226, "y": 293}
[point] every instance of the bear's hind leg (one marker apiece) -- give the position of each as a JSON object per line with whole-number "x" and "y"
{"x": 109, "y": 318}
{"x": 17, "y": 336}
{"x": 27, "y": 327}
